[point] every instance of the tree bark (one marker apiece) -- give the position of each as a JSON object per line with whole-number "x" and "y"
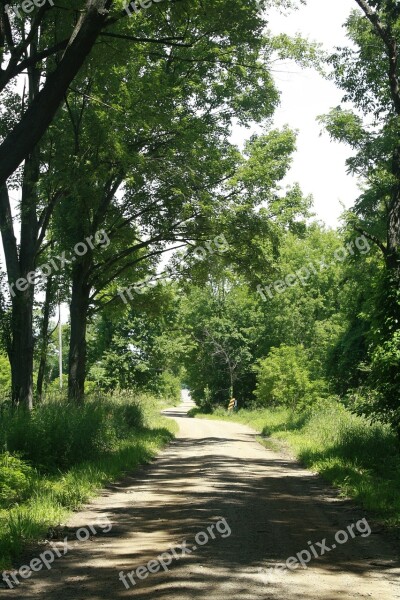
{"x": 44, "y": 334}
{"x": 393, "y": 227}
{"x": 37, "y": 118}
{"x": 22, "y": 304}
{"x": 18, "y": 267}
{"x": 22, "y": 350}
{"x": 77, "y": 348}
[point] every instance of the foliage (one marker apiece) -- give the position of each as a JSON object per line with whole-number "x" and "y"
{"x": 222, "y": 327}
{"x": 284, "y": 379}
{"x": 32, "y": 501}
{"x": 367, "y": 70}
{"x": 5, "y": 377}
{"x": 168, "y": 387}
{"x": 16, "y": 478}
{"x": 137, "y": 351}
{"x": 57, "y": 434}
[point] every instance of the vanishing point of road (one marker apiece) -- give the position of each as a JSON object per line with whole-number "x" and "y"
{"x": 217, "y": 470}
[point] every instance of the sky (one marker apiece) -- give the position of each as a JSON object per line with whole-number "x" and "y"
{"x": 319, "y": 164}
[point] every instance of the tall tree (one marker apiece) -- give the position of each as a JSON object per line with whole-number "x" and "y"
{"x": 162, "y": 179}
{"x": 53, "y": 45}
{"x": 369, "y": 72}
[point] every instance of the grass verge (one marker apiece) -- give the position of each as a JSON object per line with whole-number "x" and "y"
{"x": 359, "y": 458}
{"x": 39, "y": 490}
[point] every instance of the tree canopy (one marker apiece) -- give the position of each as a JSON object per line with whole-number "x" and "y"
{"x": 183, "y": 257}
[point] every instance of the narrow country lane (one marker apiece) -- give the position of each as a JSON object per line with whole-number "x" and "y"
{"x": 273, "y": 507}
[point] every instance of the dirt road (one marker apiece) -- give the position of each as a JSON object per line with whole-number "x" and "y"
{"x": 217, "y": 473}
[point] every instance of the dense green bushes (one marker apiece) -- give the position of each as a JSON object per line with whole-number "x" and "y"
{"x": 57, "y": 434}
{"x": 16, "y": 478}
{"x": 55, "y": 458}
{"x": 167, "y": 386}
{"x": 284, "y": 378}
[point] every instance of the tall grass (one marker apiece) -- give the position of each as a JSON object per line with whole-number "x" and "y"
{"x": 360, "y": 458}
{"x": 58, "y": 457}
{"x": 58, "y": 434}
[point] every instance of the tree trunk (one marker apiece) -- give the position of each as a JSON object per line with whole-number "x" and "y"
{"x": 22, "y": 350}
{"x": 44, "y": 334}
{"x": 77, "y": 348}
{"x": 18, "y": 267}
{"x": 38, "y": 117}
{"x": 393, "y": 250}
{"x": 393, "y": 226}
{"x": 22, "y": 318}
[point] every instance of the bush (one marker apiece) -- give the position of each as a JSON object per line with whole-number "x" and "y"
{"x": 284, "y": 379}
{"x": 5, "y": 377}
{"x": 128, "y": 415}
{"x": 117, "y": 434}
{"x": 206, "y": 402}
{"x": 58, "y": 434}
{"x": 168, "y": 387}
{"x": 16, "y": 479}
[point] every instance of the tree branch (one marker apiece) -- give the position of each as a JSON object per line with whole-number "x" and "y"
{"x": 373, "y": 239}
{"x": 166, "y": 41}
{"x": 8, "y": 236}
{"x": 390, "y": 42}
{"x": 15, "y": 70}
{"x": 37, "y": 118}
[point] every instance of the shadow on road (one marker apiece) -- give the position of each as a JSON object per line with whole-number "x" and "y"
{"x": 272, "y": 505}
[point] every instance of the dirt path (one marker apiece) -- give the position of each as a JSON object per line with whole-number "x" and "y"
{"x": 214, "y": 471}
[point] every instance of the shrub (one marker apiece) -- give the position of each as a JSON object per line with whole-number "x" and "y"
{"x": 167, "y": 386}
{"x": 283, "y": 379}
{"x": 206, "y": 403}
{"x": 16, "y": 478}
{"x": 58, "y": 434}
{"x": 5, "y": 377}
